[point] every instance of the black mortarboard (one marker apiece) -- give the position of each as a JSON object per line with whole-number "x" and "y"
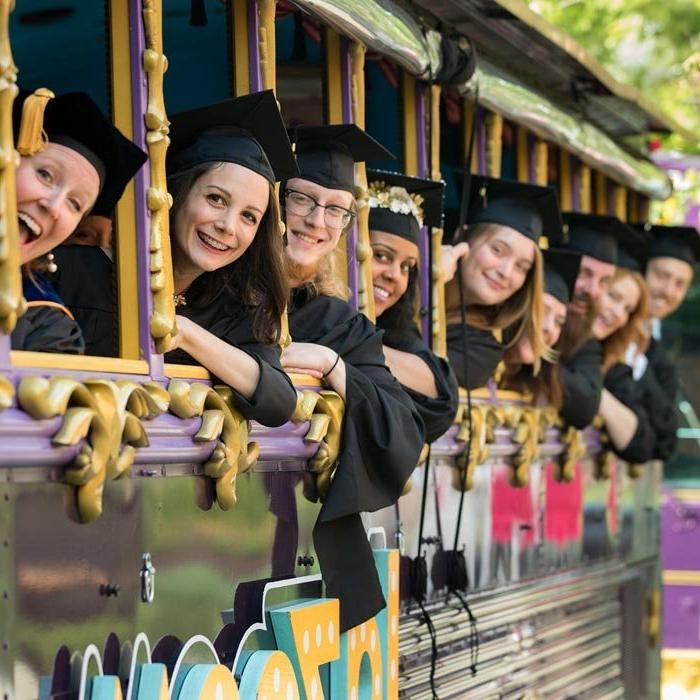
{"x": 532, "y": 210}
{"x": 560, "y": 272}
{"x": 394, "y": 210}
{"x": 75, "y": 121}
{"x": 327, "y": 154}
{"x": 593, "y": 235}
{"x": 631, "y": 249}
{"x": 246, "y": 130}
{"x": 681, "y": 242}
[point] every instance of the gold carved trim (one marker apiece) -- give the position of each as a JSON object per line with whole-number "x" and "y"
{"x": 604, "y": 465}
{"x": 107, "y": 415}
{"x": 620, "y": 202}
{"x": 479, "y": 448}
{"x": 565, "y": 183}
{"x": 584, "y": 189}
{"x": 266, "y": 43}
{"x": 239, "y": 36}
{"x": 601, "y": 193}
{"x": 678, "y": 577}
{"x": 363, "y": 251}
{"x": 522, "y": 154}
{"x": 222, "y": 422}
{"x": 332, "y": 76}
{"x": 494, "y": 144}
{"x": 158, "y": 200}
{"x": 527, "y": 434}
{"x": 541, "y": 158}
{"x": 12, "y": 304}
{"x": 409, "y": 118}
{"x": 436, "y": 91}
{"x": 70, "y": 363}
{"x": 7, "y": 393}
{"x": 574, "y": 451}
{"x": 468, "y": 116}
{"x": 438, "y": 330}
{"x": 324, "y": 410}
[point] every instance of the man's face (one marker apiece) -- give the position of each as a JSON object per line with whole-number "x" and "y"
{"x": 593, "y": 279}
{"x": 668, "y": 280}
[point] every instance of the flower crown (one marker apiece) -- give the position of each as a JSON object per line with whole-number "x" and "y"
{"x": 396, "y": 199}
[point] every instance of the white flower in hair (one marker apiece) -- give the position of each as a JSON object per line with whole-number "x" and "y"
{"x": 396, "y": 199}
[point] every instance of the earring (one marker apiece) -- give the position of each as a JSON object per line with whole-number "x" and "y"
{"x": 51, "y": 260}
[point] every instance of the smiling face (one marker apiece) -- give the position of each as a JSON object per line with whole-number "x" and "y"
{"x": 593, "y": 279}
{"x": 497, "y": 266}
{"x": 615, "y": 307}
{"x": 393, "y": 259}
{"x": 55, "y": 189}
{"x": 668, "y": 280}
{"x": 309, "y": 238}
{"x": 553, "y": 321}
{"x": 218, "y": 219}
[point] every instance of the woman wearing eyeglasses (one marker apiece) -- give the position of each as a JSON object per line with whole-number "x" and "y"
{"x": 382, "y": 431}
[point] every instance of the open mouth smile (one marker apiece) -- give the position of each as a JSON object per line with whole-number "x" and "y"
{"x": 29, "y": 229}
{"x": 212, "y": 244}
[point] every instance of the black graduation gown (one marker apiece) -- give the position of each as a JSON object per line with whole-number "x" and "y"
{"x": 274, "y": 400}
{"x": 382, "y": 439}
{"x": 437, "y": 414}
{"x": 47, "y": 325}
{"x": 621, "y": 384}
{"x": 85, "y": 281}
{"x": 659, "y": 384}
{"x": 484, "y": 353}
{"x": 582, "y": 382}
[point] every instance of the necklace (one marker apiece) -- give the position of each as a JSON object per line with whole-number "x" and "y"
{"x": 179, "y": 298}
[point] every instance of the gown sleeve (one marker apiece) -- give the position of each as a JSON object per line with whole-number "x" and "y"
{"x": 274, "y": 399}
{"x": 659, "y": 384}
{"x": 85, "y": 282}
{"x": 620, "y": 383}
{"x": 47, "y": 328}
{"x": 382, "y": 439}
{"x": 484, "y": 353}
{"x": 582, "y": 382}
{"x": 437, "y": 413}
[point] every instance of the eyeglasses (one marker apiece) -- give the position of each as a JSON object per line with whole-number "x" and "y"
{"x": 302, "y": 205}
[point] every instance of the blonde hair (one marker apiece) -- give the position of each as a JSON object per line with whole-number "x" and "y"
{"x": 523, "y": 311}
{"x": 634, "y": 331}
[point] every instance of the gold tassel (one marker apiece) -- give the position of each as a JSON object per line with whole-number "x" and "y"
{"x": 32, "y": 137}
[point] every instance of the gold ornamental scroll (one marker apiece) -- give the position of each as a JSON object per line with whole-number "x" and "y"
{"x": 585, "y": 190}
{"x": 12, "y": 304}
{"x": 266, "y": 43}
{"x": 157, "y": 198}
{"x": 494, "y": 144}
{"x": 363, "y": 251}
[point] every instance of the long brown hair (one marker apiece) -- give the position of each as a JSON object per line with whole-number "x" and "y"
{"x": 257, "y": 278}
{"x": 544, "y": 387}
{"x": 634, "y": 331}
{"x": 522, "y": 312}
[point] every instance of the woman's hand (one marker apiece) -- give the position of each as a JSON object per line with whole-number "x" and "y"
{"x": 308, "y": 358}
{"x": 184, "y": 325}
{"x": 451, "y": 255}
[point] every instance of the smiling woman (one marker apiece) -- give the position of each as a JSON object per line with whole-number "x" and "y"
{"x": 73, "y": 161}
{"x": 227, "y": 248}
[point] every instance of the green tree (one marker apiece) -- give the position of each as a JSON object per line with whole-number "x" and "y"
{"x": 652, "y": 45}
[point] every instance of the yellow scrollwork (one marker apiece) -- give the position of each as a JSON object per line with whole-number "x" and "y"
{"x": 107, "y": 415}
{"x": 158, "y": 200}
{"x": 479, "y": 451}
{"x": 7, "y": 393}
{"x": 652, "y": 622}
{"x": 604, "y": 465}
{"x": 221, "y": 421}
{"x": 634, "y": 471}
{"x": 574, "y": 451}
{"x": 324, "y": 411}
{"x": 527, "y": 435}
{"x": 12, "y": 304}
{"x": 494, "y": 143}
{"x": 62, "y": 396}
{"x": 266, "y": 42}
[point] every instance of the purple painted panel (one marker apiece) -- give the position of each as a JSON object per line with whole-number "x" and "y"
{"x": 351, "y": 235}
{"x": 681, "y": 606}
{"x": 142, "y": 181}
{"x": 575, "y": 184}
{"x": 253, "y": 50}
{"x": 680, "y": 534}
{"x": 424, "y": 245}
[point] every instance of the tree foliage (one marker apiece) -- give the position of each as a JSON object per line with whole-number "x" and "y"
{"x": 652, "y": 45}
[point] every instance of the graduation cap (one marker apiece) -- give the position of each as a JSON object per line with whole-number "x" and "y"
{"x": 681, "y": 242}
{"x": 631, "y": 249}
{"x": 594, "y": 235}
{"x": 73, "y": 120}
{"x": 327, "y": 154}
{"x": 532, "y": 210}
{"x": 401, "y": 205}
{"x": 560, "y": 272}
{"x": 246, "y": 130}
